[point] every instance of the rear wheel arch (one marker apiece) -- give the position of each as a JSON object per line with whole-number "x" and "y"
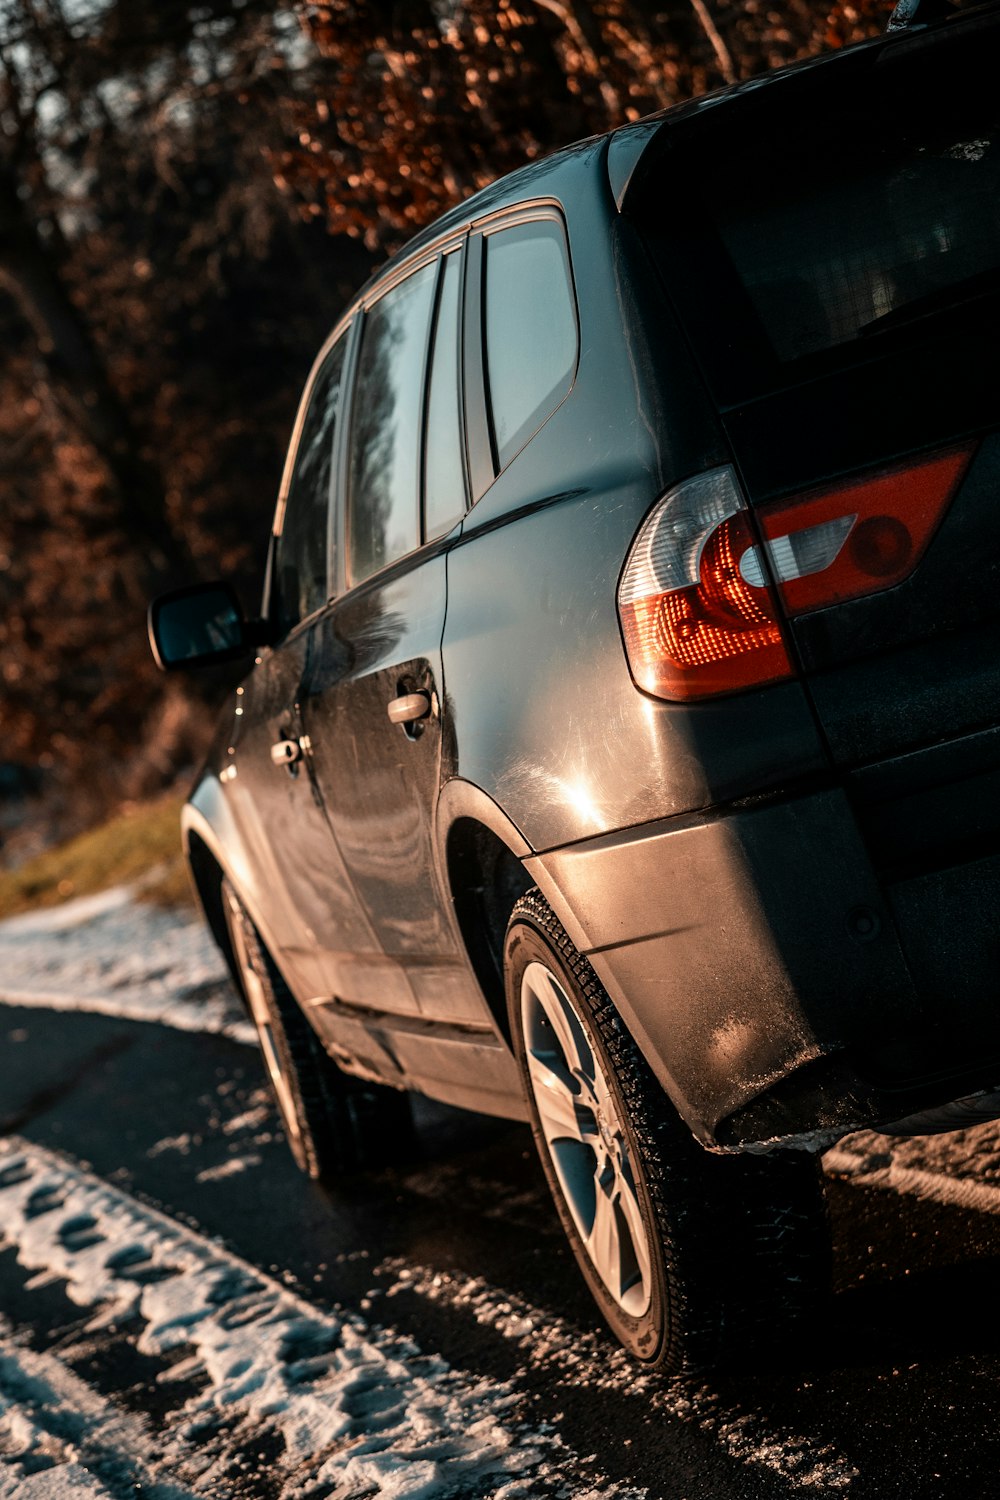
{"x": 486, "y": 880}
{"x": 481, "y": 853}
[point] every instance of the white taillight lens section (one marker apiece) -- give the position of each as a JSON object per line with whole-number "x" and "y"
{"x": 694, "y": 625}
{"x": 666, "y": 555}
{"x": 799, "y": 553}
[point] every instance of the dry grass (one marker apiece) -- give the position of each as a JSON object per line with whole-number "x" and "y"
{"x": 141, "y": 846}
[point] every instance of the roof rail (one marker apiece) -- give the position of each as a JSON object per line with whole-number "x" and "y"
{"x": 909, "y": 13}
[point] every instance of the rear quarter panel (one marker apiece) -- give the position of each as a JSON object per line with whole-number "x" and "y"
{"x": 547, "y": 720}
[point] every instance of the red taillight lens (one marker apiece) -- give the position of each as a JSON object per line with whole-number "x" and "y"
{"x": 856, "y": 538}
{"x": 695, "y": 601}
{"x": 694, "y": 625}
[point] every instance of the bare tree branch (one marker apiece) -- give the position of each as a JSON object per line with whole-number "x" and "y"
{"x": 726, "y": 65}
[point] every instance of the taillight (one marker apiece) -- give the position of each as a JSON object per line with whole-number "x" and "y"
{"x": 858, "y": 537}
{"x": 695, "y": 601}
{"x": 694, "y": 624}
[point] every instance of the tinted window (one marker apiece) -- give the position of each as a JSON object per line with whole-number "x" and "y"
{"x": 385, "y": 428}
{"x": 444, "y": 492}
{"x": 530, "y": 330}
{"x": 833, "y": 260}
{"x": 300, "y": 563}
{"x": 878, "y": 222}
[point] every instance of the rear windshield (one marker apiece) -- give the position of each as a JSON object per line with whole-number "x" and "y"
{"x": 868, "y": 210}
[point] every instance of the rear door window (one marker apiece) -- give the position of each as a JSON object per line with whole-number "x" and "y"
{"x": 301, "y": 556}
{"x": 530, "y": 329}
{"x": 383, "y": 520}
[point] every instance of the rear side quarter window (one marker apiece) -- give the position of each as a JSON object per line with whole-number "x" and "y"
{"x": 529, "y": 330}
{"x": 444, "y": 474}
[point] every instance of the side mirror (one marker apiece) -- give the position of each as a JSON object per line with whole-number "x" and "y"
{"x": 198, "y": 626}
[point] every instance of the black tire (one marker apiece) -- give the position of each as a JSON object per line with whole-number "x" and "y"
{"x": 736, "y": 1246}
{"x": 334, "y": 1124}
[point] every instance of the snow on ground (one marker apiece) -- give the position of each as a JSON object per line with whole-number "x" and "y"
{"x": 116, "y": 956}
{"x": 961, "y": 1169}
{"x": 354, "y": 1407}
{"x": 60, "y": 1440}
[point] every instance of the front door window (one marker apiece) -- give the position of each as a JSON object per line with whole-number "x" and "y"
{"x": 301, "y": 581}
{"x": 383, "y": 503}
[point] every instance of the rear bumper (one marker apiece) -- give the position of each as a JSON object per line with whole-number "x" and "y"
{"x": 756, "y": 958}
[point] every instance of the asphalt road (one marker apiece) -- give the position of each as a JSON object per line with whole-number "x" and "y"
{"x": 892, "y": 1394}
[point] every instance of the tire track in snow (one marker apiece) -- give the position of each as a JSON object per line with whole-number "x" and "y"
{"x": 59, "y": 1438}
{"x": 359, "y": 1412}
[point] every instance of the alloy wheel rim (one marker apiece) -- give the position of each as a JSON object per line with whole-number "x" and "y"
{"x": 585, "y": 1138}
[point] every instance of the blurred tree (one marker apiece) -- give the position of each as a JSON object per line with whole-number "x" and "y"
{"x": 160, "y": 302}
{"x": 431, "y": 100}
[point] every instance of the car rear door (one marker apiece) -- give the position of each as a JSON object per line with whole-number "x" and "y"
{"x": 379, "y": 645}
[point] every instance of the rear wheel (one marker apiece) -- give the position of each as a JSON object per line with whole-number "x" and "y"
{"x": 689, "y": 1255}
{"x": 334, "y": 1124}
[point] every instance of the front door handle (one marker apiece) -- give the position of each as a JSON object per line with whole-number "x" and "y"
{"x": 409, "y": 708}
{"x": 286, "y": 752}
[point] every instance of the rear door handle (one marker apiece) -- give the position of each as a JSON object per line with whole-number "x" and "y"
{"x": 409, "y": 708}
{"x": 286, "y": 752}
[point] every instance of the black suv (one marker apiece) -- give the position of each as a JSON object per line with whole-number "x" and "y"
{"x": 622, "y": 746}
